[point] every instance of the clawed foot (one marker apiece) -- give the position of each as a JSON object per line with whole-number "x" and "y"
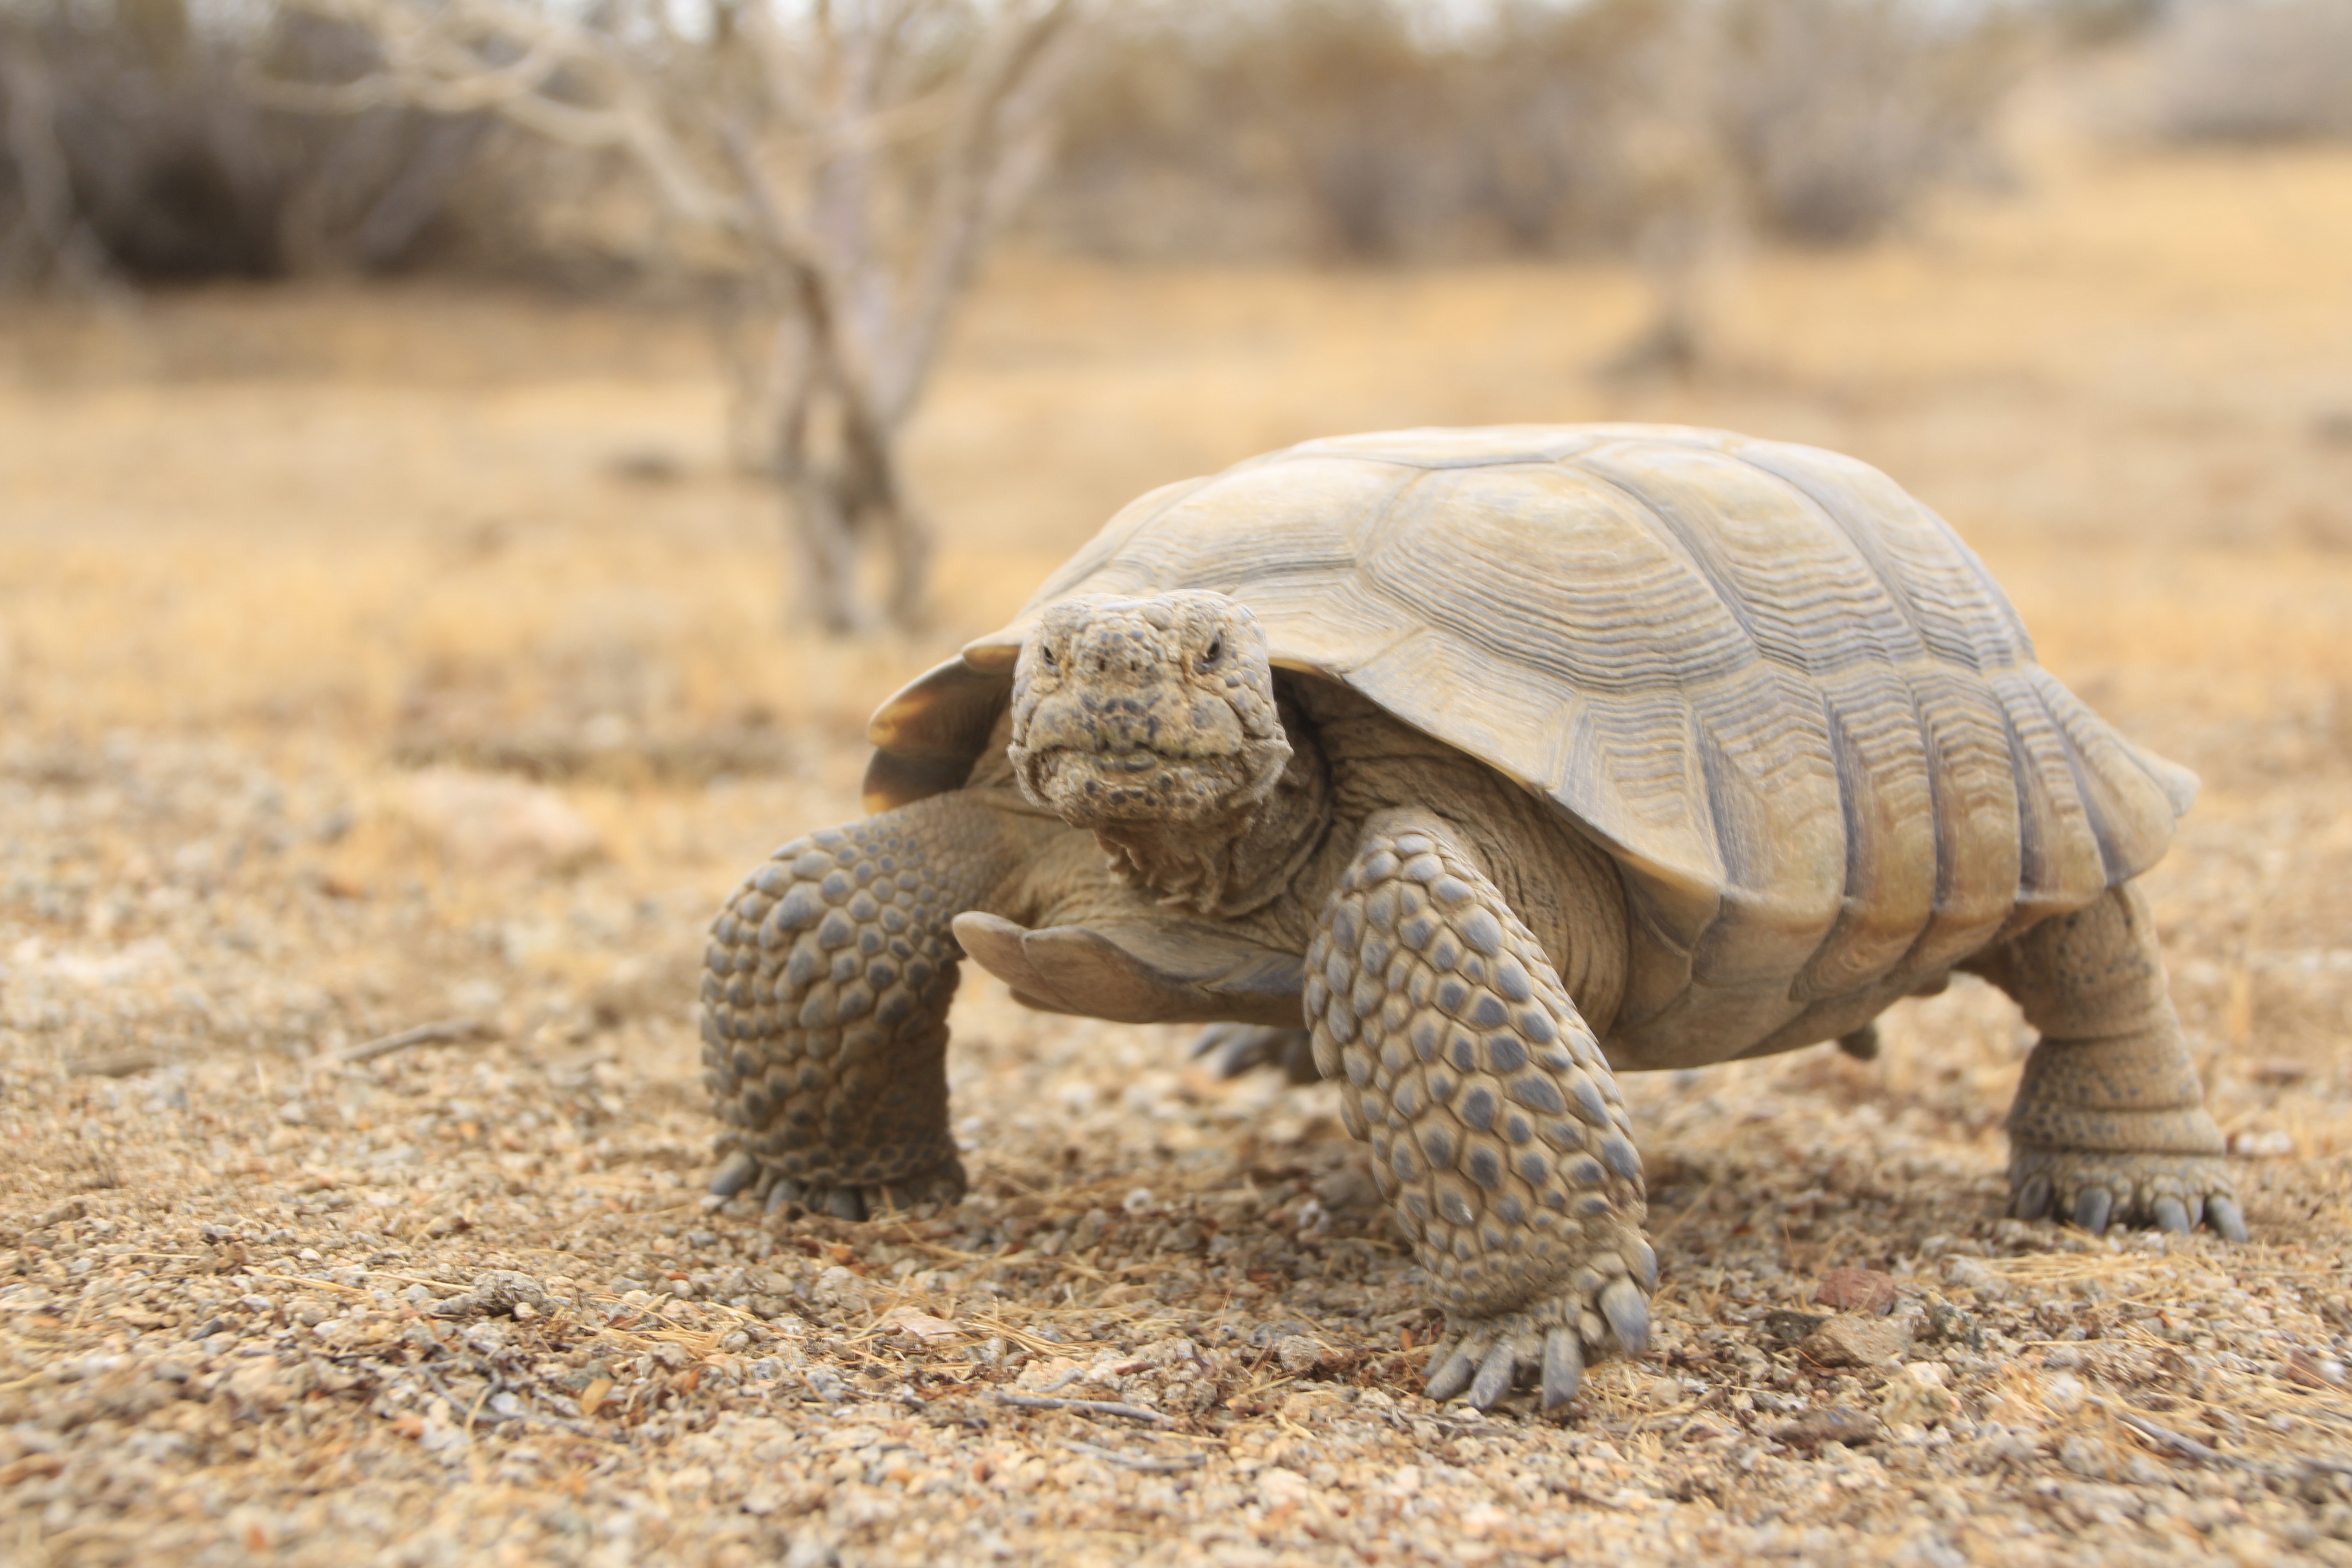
{"x": 943, "y": 1184}
{"x": 2170, "y": 1192}
{"x": 1234, "y": 1049}
{"x": 1547, "y": 1344}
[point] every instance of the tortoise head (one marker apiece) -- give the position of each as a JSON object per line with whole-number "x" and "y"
{"x": 1146, "y": 711}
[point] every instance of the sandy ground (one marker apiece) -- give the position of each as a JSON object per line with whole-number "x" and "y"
{"x": 370, "y": 660}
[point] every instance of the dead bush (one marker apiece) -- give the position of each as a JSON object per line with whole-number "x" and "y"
{"x": 1345, "y": 128}
{"x": 1380, "y": 128}
{"x": 1838, "y": 115}
{"x": 129, "y": 145}
{"x": 2254, "y": 71}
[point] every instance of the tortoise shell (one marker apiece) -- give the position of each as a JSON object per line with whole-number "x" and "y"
{"x": 1781, "y": 693}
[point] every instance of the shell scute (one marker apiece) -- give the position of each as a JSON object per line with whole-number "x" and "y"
{"x": 1958, "y": 612}
{"x": 1534, "y": 564}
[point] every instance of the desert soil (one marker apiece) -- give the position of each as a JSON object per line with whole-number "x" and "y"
{"x": 378, "y": 660}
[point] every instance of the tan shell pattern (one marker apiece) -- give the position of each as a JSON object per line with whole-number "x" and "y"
{"x": 1779, "y": 690}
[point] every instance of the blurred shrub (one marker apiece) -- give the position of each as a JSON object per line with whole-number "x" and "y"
{"x": 1340, "y": 128}
{"x": 1366, "y": 130}
{"x": 2255, "y": 71}
{"x": 1838, "y": 115}
{"x": 1377, "y": 128}
{"x": 129, "y": 143}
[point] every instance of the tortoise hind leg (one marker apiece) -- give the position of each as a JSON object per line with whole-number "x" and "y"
{"x": 2110, "y": 1125}
{"x": 824, "y": 1008}
{"x": 1862, "y": 1044}
{"x": 1498, "y": 1135}
{"x": 1234, "y": 1049}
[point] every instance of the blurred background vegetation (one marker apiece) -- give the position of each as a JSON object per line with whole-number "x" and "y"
{"x": 134, "y": 146}
{"x": 412, "y": 417}
{"x": 821, "y": 177}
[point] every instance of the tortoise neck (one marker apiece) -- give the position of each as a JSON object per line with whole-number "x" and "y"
{"x": 1230, "y": 865}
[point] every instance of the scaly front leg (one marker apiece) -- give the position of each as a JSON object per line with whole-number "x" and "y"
{"x": 824, "y": 1008}
{"x": 1496, "y": 1130}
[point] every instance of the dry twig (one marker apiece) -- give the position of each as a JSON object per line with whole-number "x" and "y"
{"x": 1153, "y": 1464}
{"x": 447, "y": 1031}
{"x": 1083, "y": 1406}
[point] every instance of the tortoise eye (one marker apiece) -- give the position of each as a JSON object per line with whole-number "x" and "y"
{"x": 1213, "y": 652}
{"x": 1045, "y": 656}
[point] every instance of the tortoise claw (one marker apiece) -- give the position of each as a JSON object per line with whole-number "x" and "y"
{"x": 2033, "y": 1198}
{"x": 1495, "y": 1374}
{"x": 734, "y": 1173}
{"x": 1547, "y": 1343}
{"x": 2092, "y": 1208}
{"x": 1564, "y": 1367}
{"x": 1450, "y": 1374}
{"x": 2101, "y": 1191}
{"x": 1628, "y": 1312}
{"x": 942, "y": 1185}
{"x": 1645, "y": 1259}
{"x": 841, "y": 1202}
{"x": 1485, "y": 1369}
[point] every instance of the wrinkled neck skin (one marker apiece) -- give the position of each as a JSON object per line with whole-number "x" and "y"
{"x": 1232, "y": 862}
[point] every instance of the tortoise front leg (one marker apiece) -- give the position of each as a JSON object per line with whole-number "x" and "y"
{"x": 1496, "y": 1130}
{"x": 824, "y": 1008}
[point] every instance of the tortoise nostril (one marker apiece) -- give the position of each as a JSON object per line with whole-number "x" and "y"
{"x": 1117, "y": 653}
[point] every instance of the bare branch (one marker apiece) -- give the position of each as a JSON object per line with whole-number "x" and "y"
{"x": 859, "y": 154}
{"x": 442, "y": 1033}
{"x": 1083, "y": 1406}
{"x": 52, "y": 235}
{"x": 429, "y": 69}
{"x": 964, "y": 205}
{"x": 789, "y": 246}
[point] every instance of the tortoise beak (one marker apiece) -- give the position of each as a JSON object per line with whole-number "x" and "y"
{"x": 1095, "y": 756}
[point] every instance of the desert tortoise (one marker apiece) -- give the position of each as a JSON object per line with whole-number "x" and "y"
{"x": 1502, "y": 761}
